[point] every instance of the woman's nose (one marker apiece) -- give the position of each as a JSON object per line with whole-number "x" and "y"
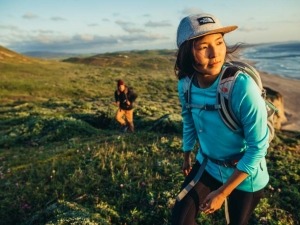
{"x": 212, "y": 52}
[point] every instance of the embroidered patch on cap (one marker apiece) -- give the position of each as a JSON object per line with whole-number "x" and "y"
{"x": 205, "y": 20}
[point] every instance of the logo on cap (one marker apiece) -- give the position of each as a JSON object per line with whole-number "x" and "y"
{"x": 205, "y": 20}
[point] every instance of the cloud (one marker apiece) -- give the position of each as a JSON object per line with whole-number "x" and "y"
{"x": 9, "y": 27}
{"x": 135, "y": 36}
{"x": 251, "y": 29}
{"x": 189, "y": 11}
{"x": 129, "y": 27}
{"x": 57, "y": 18}
{"x": 142, "y": 38}
{"x": 93, "y": 25}
{"x": 43, "y": 31}
{"x": 85, "y": 37}
{"x": 146, "y": 15}
{"x": 158, "y": 24}
{"x": 123, "y": 23}
{"x": 84, "y": 42}
{"x": 29, "y": 16}
{"x": 60, "y": 43}
{"x": 133, "y": 30}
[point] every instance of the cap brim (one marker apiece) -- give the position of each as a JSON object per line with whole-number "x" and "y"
{"x": 223, "y": 30}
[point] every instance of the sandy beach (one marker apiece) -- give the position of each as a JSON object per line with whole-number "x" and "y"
{"x": 290, "y": 90}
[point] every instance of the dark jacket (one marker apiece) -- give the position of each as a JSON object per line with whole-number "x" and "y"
{"x": 127, "y": 95}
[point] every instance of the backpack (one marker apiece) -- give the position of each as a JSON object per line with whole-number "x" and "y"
{"x": 131, "y": 94}
{"x": 227, "y": 80}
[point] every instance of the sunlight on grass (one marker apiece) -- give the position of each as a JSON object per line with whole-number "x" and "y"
{"x": 64, "y": 161}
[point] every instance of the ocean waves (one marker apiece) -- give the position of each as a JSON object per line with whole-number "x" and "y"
{"x": 282, "y": 59}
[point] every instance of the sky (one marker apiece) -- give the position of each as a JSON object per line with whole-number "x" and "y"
{"x": 99, "y": 26}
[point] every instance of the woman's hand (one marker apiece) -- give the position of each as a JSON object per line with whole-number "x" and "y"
{"x": 215, "y": 199}
{"x": 187, "y": 164}
{"x": 212, "y": 202}
{"x": 116, "y": 103}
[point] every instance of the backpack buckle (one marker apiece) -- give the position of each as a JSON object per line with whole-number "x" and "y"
{"x": 188, "y": 106}
{"x": 208, "y": 107}
{"x": 211, "y": 107}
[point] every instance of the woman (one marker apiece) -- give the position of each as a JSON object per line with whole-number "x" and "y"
{"x": 212, "y": 180}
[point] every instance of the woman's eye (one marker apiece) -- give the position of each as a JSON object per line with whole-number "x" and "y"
{"x": 202, "y": 47}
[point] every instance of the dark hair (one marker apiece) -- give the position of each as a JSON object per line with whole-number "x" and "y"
{"x": 184, "y": 65}
{"x": 185, "y": 60}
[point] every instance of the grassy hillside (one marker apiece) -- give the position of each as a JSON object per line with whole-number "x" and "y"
{"x": 64, "y": 161}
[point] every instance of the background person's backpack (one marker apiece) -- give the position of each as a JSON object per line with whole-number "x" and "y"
{"x": 228, "y": 77}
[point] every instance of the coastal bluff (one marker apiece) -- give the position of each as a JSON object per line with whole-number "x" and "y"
{"x": 277, "y": 100}
{"x": 284, "y": 94}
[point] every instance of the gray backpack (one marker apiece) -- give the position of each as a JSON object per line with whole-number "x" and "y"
{"x": 228, "y": 77}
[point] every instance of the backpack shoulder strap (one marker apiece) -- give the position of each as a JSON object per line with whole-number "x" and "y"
{"x": 250, "y": 70}
{"x": 227, "y": 81}
{"x": 187, "y": 91}
{"x": 228, "y": 77}
{"x": 187, "y": 85}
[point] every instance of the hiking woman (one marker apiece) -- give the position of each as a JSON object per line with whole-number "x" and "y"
{"x": 231, "y": 165}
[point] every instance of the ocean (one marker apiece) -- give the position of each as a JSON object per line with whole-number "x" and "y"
{"x": 282, "y": 59}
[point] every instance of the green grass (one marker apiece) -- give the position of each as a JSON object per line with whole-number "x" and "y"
{"x": 64, "y": 161}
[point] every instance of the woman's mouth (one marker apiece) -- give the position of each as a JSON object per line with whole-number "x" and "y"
{"x": 214, "y": 64}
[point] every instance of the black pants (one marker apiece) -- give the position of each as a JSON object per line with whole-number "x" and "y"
{"x": 240, "y": 203}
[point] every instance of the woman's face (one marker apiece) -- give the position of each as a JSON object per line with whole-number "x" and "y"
{"x": 122, "y": 87}
{"x": 209, "y": 54}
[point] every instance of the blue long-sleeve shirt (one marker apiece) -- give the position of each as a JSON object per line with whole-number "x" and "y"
{"x": 218, "y": 141}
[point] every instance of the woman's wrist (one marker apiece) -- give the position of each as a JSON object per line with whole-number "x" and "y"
{"x": 222, "y": 191}
{"x": 187, "y": 155}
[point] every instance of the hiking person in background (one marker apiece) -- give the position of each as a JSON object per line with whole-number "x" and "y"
{"x": 230, "y": 167}
{"x": 124, "y": 97}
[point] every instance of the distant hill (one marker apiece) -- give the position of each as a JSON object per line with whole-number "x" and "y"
{"x": 9, "y": 56}
{"x": 54, "y": 55}
{"x": 146, "y": 59}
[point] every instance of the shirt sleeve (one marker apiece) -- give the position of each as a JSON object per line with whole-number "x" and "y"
{"x": 251, "y": 109}
{"x": 189, "y": 132}
{"x": 116, "y": 96}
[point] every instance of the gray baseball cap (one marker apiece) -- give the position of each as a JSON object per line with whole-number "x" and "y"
{"x": 198, "y": 25}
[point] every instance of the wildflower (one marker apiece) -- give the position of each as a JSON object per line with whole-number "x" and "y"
{"x": 25, "y": 206}
{"x": 151, "y": 202}
{"x": 143, "y": 184}
{"x": 163, "y": 140}
{"x": 171, "y": 203}
{"x": 263, "y": 220}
